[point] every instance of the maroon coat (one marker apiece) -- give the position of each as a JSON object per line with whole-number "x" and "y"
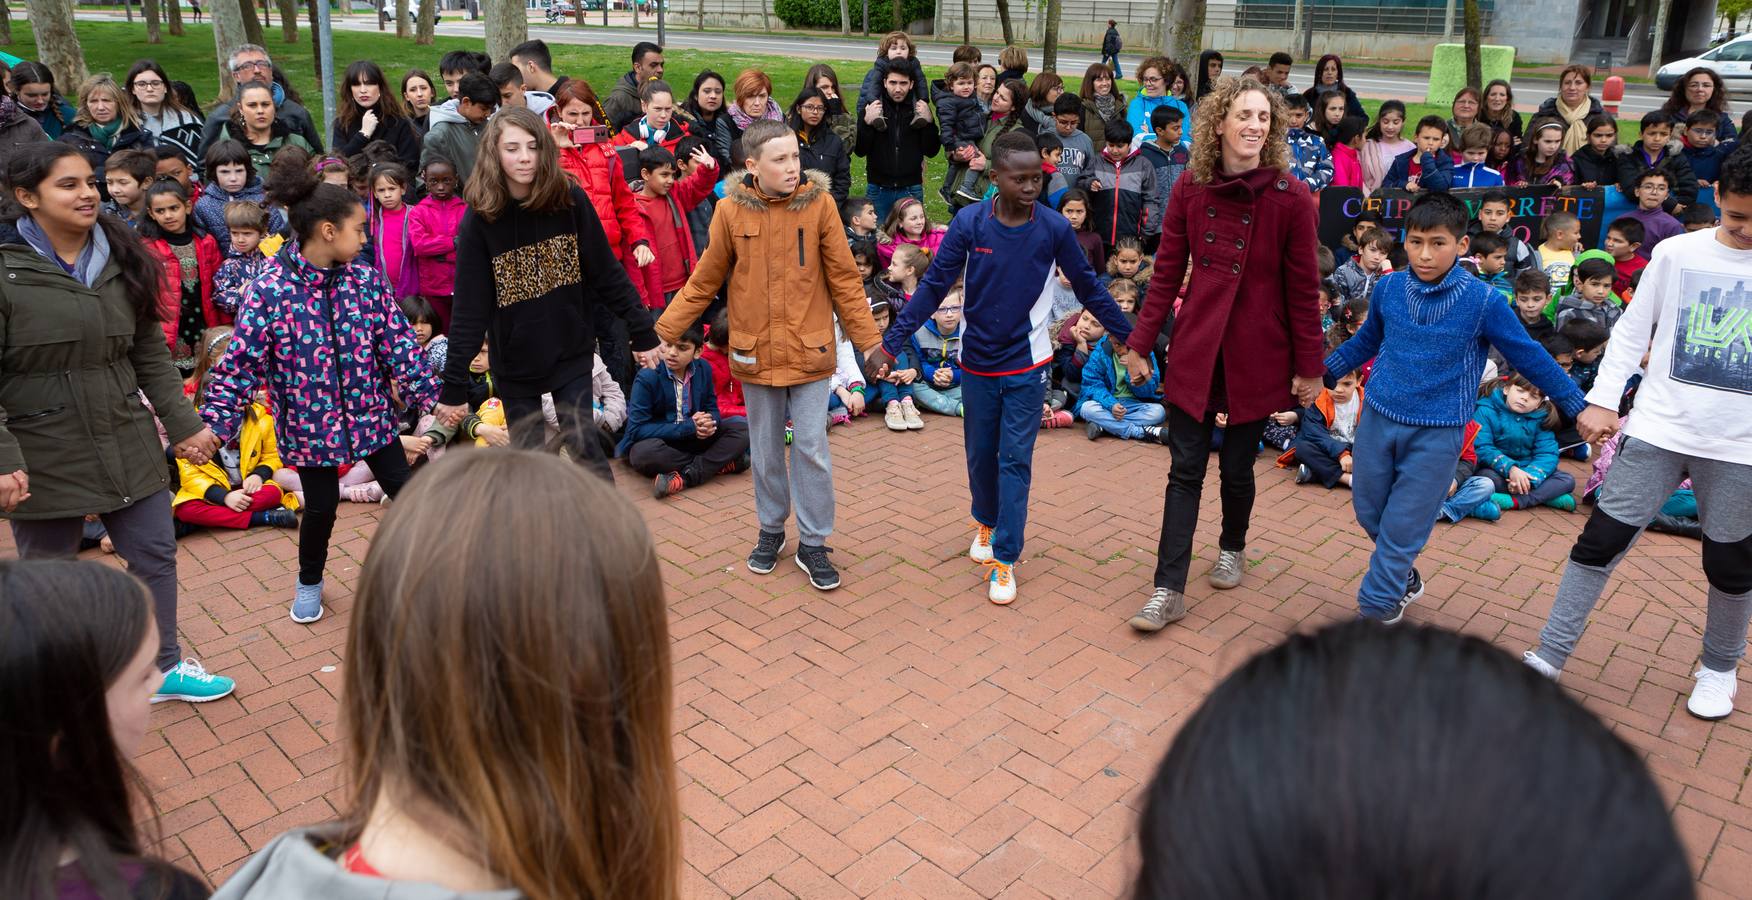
{"x": 1254, "y": 295}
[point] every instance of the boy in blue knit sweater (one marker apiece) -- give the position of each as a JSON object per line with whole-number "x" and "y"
{"x": 1428, "y": 331}
{"x": 1008, "y": 247}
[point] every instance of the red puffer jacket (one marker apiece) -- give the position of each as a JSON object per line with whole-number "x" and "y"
{"x": 597, "y": 170}
{"x": 207, "y": 260}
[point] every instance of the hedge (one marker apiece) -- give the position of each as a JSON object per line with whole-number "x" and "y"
{"x": 825, "y": 13}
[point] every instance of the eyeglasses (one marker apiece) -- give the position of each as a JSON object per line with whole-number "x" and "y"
{"x": 1153, "y": 79}
{"x": 812, "y": 108}
{"x": 148, "y": 83}
{"x": 247, "y": 65}
{"x": 953, "y": 309}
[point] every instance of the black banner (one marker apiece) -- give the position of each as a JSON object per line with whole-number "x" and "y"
{"x": 1340, "y": 207}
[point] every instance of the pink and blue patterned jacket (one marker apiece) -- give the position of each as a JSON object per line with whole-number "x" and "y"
{"x": 327, "y": 343}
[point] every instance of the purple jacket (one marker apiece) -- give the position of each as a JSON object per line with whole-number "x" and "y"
{"x": 294, "y": 323}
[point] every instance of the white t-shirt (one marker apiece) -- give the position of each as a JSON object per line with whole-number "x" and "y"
{"x": 1344, "y": 416}
{"x": 1695, "y": 306}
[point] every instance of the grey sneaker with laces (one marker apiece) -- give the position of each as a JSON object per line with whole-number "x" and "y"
{"x": 1227, "y": 572}
{"x": 1164, "y": 608}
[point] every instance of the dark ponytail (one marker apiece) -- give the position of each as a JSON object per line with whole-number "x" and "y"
{"x": 309, "y": 201}
{"x": 141, "y": 273}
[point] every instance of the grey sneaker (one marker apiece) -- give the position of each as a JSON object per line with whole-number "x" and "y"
{"x": 307, "y": 603}
{"x": 1227, "y": 572}
{"x": 1165, "y": 607}
{"x": 766, "y": 552}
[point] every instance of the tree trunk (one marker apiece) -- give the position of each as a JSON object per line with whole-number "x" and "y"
{"x": 288, "y": 20}
{"x": 57, "y": 44}
{"x": 252, "y": 23}
{"x": 128, "y": 10}
{"x": 174, "y": 9}
{"x": 1004, "y": 22}
{"x": 898, "y": 15}
{"x": 424, "y": 25}
{"x": 1474, "y": 66}
{"x": 507, "y": 26}
{"x": 401, "y": 19}
{"x": 1049, "y": 44}
{"x": 227, "y": 34}
{"x": 6, "y": 23}
{"x": 578, "y": 12}
{"x": 845, "y": 17}
{"x": 151, "y": 10}
{"x": 1156, "y": 33}
{"x": 1186, "y": 29}
{"x": 315, "y": 38}
{"x": 766, "y": 15}
{"x": 966, "y": 24}
{"x": 700, "y": 27}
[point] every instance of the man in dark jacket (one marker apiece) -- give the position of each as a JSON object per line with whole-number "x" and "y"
{"x": 896, "y": 156}
{"x": 622, "y": 104}
{"x": 248, "y": 63}
{"x": 1110, "y": 46}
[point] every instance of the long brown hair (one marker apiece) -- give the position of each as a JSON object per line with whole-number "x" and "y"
{"x": 487, "y": 193}
{"x": 1207, "y": 149}
{"x": 389, "y": 104}
{"x": 558, "y": 770}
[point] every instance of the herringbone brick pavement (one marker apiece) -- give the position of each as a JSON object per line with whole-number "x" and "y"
{"x": 902, "y": 737}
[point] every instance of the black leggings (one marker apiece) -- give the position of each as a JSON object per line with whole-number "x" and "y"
{"x": 322, "y": 494}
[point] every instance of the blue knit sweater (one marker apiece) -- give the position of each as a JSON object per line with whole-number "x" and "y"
{"x": 1429, "y": 342}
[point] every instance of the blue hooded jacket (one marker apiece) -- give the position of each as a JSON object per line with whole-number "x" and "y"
{"x": 1099, "y": 377}
{"x": 1507, "y": 439}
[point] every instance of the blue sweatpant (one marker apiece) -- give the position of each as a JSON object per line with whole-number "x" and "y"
{"x": 1002, "y": 418}
{"x": 1399, "y": 480}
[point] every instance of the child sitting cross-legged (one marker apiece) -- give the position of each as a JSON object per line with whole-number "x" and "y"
{"x": 675, "y": 432}
{"x": 236, "y": 488}
{"x": 1517, "y": 448}
{"x": 936, "y": 383}
{"x": 1112, "y": 404}
{"x": 892, "y": 396}
{"x": 1325, "y": 433}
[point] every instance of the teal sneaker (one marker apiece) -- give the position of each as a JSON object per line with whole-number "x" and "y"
{"x": 189, "y": 681}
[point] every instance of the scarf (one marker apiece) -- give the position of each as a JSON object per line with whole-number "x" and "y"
{"x": 105, "y": 134}
{"x": 743, "y": 119}
{"x": 91, "y": 260}
{"x": 1105, "y": 105}
{"x": 1576, "y": 118}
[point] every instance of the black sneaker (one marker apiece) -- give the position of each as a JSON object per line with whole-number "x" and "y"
{"x": 766, "y": 552}
{"x": 821, "y": 572}
{"x": 1414, "y": 589}
{"x": 280, "y": 518}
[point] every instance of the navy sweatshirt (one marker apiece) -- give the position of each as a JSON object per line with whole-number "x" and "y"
{"x": 1009, "y": 288}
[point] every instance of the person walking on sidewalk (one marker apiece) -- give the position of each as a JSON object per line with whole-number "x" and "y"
{"x": 1110, "y": 47}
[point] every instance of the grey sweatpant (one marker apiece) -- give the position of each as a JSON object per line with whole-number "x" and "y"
{"x": 808, "y": 480}
{"x": 1641, "y": 479}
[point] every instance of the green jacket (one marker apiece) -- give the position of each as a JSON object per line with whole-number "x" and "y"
{"x": 73, "y": 361}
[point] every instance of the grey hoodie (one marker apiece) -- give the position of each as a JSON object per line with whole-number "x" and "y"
{"x": 453, "y": 137}
{"x": 294, "y": 866}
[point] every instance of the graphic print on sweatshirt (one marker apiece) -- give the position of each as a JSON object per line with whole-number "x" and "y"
{"x": 1712, "y": 345}
{"x": 533, "y": 270}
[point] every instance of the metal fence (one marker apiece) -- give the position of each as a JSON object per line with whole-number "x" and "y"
{"x": 1327, "y": 17}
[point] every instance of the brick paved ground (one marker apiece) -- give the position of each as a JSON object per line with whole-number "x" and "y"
{"x": 903, "y": 737}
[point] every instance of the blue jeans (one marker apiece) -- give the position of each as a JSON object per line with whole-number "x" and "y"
{"x": 1003, "y": 418}
{"x": 1115, "y": 57}
{"x": 885, "y": 197}
{"x": 1138, "y": 415}
{"x": 942, "y": 401}
{"x": 1467, "y": 496}
{"x": 1399, "y": 480}
{"x": 883, "y": 393}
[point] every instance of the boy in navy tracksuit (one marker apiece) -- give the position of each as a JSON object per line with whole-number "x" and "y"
{"x": 1428, "y": 330}
{"x": 1008, "y": 247}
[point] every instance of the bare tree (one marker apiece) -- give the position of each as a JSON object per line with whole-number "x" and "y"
{"x": 766, "y": 14}
{"x": 57, "y": 44}
{"x": 427, "y": 20}
{"x": 898, "y": 14}
{"x": 175, "y": 9}
{"x": 315, "y": 36}
{"x": 1474, "y": 65}
{"x": 845, "y": 17}
{"x": 507, "y": 26}
{"x": 1049, "y": 42}
{"x": 1185, "y": 29}
{"x": 401, "y": 18}
{"x": 288, "y": 20}
{"x": 152, "y": 35}
{"x": 6, "y": 22}
{"x": 966, "y": 24}
{"x": 1004, "y": 20}
{"x": 252, "y": 23}
{"x": 227, "y": 34}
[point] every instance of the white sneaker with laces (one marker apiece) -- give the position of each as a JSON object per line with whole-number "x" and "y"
{"x": 1713, "y": 698}
{"x": 1541, "y": 666}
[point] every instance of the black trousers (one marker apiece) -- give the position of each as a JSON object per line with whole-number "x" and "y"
{"x": 575, "y": 409}
{"x": 698, "y": 460}
{"x": 322, "y": 494}
{"x": 1189, "y": 447}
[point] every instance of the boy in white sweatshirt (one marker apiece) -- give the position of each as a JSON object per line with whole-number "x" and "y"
{"x": 1693, "y": 418}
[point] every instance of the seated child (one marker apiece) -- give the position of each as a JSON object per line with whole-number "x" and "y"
{"x": 1052, "y": 154}
{"x": 1563, "y": 240}
{"x": 1347, "y": 319}
{"x": 1678, "y": 515}
{"x": 434, "y": 347}
{"x": 1591, "y": 298}
{"x": 1111, "y": 403}
{"x": 726, "y": 388}
{"x": 1491, "y": 254}
{"x": 1654, "y": 187}
{"x": 1347, "y": 245}
{"x": 1126, "y": 295}
{"x": 905, "y": 268}
{"x": 675, "y": 432}
{"x": 1517, "y": 448}
{"x": 1697, "y": 217}
{"x": 1588, "y": 340}
{"x": 1532, "y": 294}
{"x": 1075, "y": 340}
{"x": 847, "y": 385}
{"x": 248, "y": 223}
{"x": 1357, "y": 276}
{"x": 859, "y": 215}
{"x": 126, "y": 175}
{"x": 1427, "y": 166}
{"x": 1128, "y": 263}
{"x": 237, "y": 487}
{"x": 1700, "y": 147}
{"x": 893, "y": 398}
{"x": 936, "y": 346}
{"x": 1623, "y": 238}
{"x": 1325, "y": 433}
{"x": 1474, "y": 171}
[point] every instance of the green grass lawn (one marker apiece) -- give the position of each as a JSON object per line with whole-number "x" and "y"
{"x": 114, "y": 46}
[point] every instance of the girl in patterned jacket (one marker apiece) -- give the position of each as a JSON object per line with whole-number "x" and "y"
{"x": 321, "y": 329}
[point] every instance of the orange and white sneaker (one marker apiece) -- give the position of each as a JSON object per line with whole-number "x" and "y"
{"x": 981, "y": 551}
{"x": 1000, "y": 582}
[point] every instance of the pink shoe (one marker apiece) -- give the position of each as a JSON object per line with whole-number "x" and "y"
{"x": 1059, "y": 419}
{"x": 838, "y": 418}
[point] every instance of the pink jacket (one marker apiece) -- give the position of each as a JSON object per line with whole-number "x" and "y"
{"x": 931, "y": 240}
{"x": 432, "y": 227}
{"x": 1347, "y": 167}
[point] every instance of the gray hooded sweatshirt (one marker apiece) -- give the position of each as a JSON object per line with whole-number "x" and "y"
{"x": 295, "y": 866}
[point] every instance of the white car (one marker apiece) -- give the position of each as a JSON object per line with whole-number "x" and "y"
{"x": 1732, "y": 61}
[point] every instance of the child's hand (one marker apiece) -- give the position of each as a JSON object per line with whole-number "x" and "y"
{"x": 1411, "y": 183}
{"x": 704, "y": 425}
{"x": 1519, "y": 481}
{"x": 252, "y": 484}
{"x": 701, "y": 157}
{"x": 1222, "y": 420}
{"x": 1286, "y": 418}
{"x": 494, "y": 435}
{"x": 1118, "y": 410}
{"x": 942, "y": 377}
{"x": 872, "y": 112}
{"x": 977, "y": 163}
{"x": 1344, "y": 463}
{"x": 1589, "y": 185}
{"x": 14, "y": 489}
{"x": 856, "y": 404}
{"x": 1061, "y": 276}
{"x": 643, "y": 256}
{"x": 237, "y": 501}
{"x": 904, "y": 376}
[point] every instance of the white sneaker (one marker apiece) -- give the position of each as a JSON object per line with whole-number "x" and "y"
{"x": 1713, "y": 698}
{"x": 981, "y": 550}
{"x": 1541, "y": 666}
{"x": 1001, "y": 582}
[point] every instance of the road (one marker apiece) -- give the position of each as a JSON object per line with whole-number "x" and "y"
{"x": 1373, "y": 83}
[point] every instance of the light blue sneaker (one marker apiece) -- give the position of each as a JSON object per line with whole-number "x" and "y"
{"x": 307, "y": 603}
{"x": 189, "y": 681}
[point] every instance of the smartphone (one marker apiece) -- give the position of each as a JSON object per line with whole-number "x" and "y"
{"x": 590, "y": 134}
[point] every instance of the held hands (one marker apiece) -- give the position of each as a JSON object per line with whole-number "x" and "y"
{"x": 14, "y": 489}
{"x": 904, "y": 376}
{"x": 1519, "y": 481}
{"x": 1597, "y": 424}
{"x": 1344, "y": 463}
{"x": 878, "y": 363}
{"x": 1307, "y": 390}
{"x": 449, "y": 415}
{"x": 1138, "y": 365}
{"x": 198, "y": 448}
{"x": 648, "y": 359}
{"x": 494, "y": 435}
{"x": 644, "y": 257}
